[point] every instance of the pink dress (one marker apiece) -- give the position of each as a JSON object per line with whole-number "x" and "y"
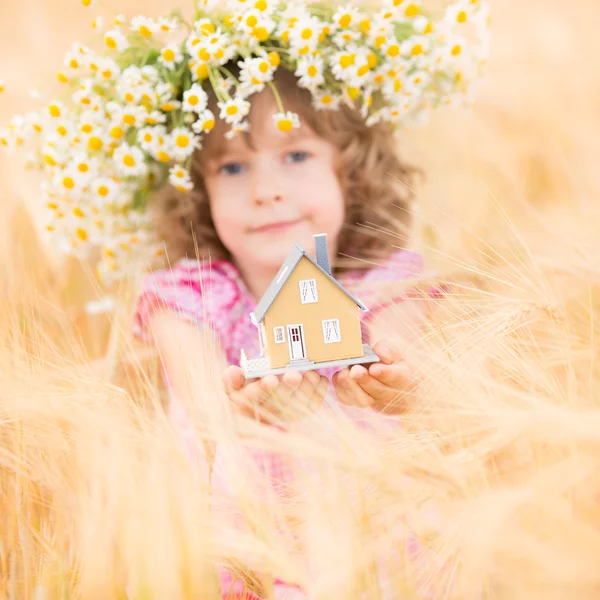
{"x": 216, "y": 294}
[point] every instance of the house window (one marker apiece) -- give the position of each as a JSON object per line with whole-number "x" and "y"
{"x": 331, "y": 331}
{"x": 279, "y": 335}
{"x": 308, "y": 291}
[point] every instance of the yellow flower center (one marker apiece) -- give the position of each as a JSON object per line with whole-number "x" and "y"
{"x": 412, "y": 10}
{"x": 110, "y": 42}
{"x": 307, "y": 33}
{"x": 78, "y": 212}
{"x": 461, "y": 17}
{"x": 261, "y": 34}
{"x": 347, "y": 60}
{"x": 261, "y": 5}
{"x": 163, "y": 156}
{"x": 207, "y": 28}
{"x": 393, "y": 50}
{"x": 83, "y": 168}
{"x": 49, "y": 160}
{"x": 428, "y": 28}
{"x": 145, "y": 31}
{"x": 82, "y": 234}
{"x": 128, "y": 160}
{"x": 54, "y": 110}
{"x": 397, "y": 85}
{"x": 208, "y": 124}
{"x": 456, "y": 50}
{"x": 379, "y": 41}
{"x": 285, "y": 124}
{"x": 202, "y": 72}
{"x": 193, "y": 100}
{"x": 182, "y": 141}
{"x": 62, "y": 78}
{"x": 364, "y": 26}
{"x": 251, "y": 21}
{"x": 69, "y": 183}
{"x": 353, "y": 92}
{"x": 87, "y": 128}
{"x": 203, "y": 54}
{"x": 95, "y": 143}
{"x": 363, "y": 70}
{"x": 274, "y": 59}
{"x": 103, "y": 191}
{"x": 417, "y": 49}
{"x": 62, "y": 130}
{"x": 312, "y": 70}
{"x": 326, "y": 99}
{"x": 169, "y": 55}
{"x": 129, "y": 120}
{"x": 231, "y": 110}
{"x": 345, "y": 20}
{"x": 116, "y": 132}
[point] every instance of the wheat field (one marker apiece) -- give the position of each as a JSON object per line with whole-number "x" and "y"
{"x": 97, "y": 499}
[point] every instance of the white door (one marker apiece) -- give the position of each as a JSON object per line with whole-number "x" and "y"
{"x": 296, "y": 342}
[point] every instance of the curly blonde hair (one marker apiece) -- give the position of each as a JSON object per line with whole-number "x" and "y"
{"x": 377, "y": 186}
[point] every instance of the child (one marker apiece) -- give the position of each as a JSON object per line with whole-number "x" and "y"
{"x": 311, "y": 96}
{"x": 253, "y": 197}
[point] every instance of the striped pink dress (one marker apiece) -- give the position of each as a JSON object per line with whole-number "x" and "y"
{"x": 215, "y": 294}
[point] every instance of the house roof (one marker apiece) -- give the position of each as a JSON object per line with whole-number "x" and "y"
{"x": 286, "y": 269}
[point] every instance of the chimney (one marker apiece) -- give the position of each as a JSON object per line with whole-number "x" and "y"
{"x": 321, "y": 252}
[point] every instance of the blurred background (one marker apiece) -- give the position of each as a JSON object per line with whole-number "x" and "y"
{"x": 509, "y": 208}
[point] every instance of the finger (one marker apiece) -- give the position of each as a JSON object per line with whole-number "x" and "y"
{"x": 349, "y": 392}
{"x": 233, "y": 379}
{"x": 382, "y": 395}
{"x": 292, "y": 379}
{"x": 270, "y": 383}
{"x": 305, "y": 394}
{"x": 387, "y": 355}
{"x": 398, "y": 375}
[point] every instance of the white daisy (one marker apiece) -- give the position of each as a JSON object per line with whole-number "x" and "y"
{"x": 180, "y": 179}
{"x": 286, "y": 121}
{"x": 195, "y": 99}
{"x": 234, "y": 110}
{"x": 147, "y": 136}
{"x": 184, "y": 142}
{"x": 115, "y": 40}
{"x": 170, "y": 56}
{"x": 105, "y": 190}
{"x": 310, "y": 72}
{"x": 324, "y": 100}
{"x": 129, "y": 161}
{"x": 145, "y": 26}
{"x": 205, "y": 122}
{"x": 237, "y": 129}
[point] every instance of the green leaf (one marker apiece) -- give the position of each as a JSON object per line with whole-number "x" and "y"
{"x": 403, "y": 31}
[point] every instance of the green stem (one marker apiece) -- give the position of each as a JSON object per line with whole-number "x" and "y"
{"x": 229, "y": 74}
{"x": 277, "y": 96}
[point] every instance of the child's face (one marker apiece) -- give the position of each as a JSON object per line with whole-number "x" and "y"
{"x": 272, "y": 190}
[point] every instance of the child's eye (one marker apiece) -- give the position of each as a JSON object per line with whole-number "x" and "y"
{"x": 232, "y": 168}
{"x": 296, "y": 157}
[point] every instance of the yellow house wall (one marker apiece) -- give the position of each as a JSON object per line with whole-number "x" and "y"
{"x": 332, "y": 304}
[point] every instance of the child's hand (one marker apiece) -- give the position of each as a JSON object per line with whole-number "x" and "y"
{"x": 382, "y": 386}
{"x": 273, "y": 399}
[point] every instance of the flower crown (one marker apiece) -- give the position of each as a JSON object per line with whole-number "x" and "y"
{"x": 136, "y": 112}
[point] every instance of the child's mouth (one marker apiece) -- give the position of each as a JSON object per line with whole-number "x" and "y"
{"x": 276, "y": 227}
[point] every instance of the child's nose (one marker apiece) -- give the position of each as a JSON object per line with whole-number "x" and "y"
{"x": 266, "y": 188}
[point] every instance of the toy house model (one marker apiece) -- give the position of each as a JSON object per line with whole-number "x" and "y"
{"x": 306, "y": 319}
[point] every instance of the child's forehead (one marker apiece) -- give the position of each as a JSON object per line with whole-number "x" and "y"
{"x": 261, "y": 135}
